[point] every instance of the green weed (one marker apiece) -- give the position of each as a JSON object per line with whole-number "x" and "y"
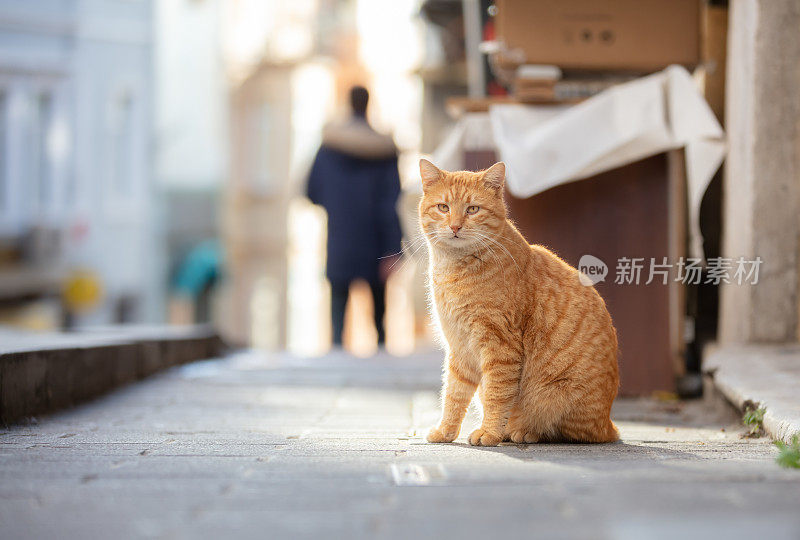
{"x": 754, "y": 418}
{"x": 789, "y": 455}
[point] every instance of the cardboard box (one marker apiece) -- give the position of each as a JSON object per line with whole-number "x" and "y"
{"x": 715, "y": 54}
{"x": 635, "y": 35}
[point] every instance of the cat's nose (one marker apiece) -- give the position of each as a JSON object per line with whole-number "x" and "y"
{"x": 455, "y": 228}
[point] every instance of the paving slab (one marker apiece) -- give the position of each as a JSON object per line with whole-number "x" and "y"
{"x": 259, "y": 445}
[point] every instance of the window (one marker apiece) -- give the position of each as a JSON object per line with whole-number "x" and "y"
{"x": 42, "y": 156}
{"x": 3, "y": 152}
{"x": 122, "y": 165}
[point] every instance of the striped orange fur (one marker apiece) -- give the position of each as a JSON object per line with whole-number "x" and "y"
{"x": 517, "y": 324}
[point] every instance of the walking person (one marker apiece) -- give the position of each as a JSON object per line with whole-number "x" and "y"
{"x": 355, "y": 178}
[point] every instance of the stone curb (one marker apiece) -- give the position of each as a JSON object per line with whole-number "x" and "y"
{"x": 768, "y": 375}
{"x": 43, "y": 373}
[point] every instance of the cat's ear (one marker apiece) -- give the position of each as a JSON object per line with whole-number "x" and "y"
{"x": 429, "y": 172}
{"x": 495, "y": 176}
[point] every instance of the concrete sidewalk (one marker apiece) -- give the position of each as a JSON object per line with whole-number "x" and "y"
{"x": 266, "y": 446}
{"x": 767, "y": 376}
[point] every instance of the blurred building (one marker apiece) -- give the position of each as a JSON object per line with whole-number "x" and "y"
{"x": 191, "y": 150}
{"x": 256, "y": 207}
{"x": 240, "y": 103}
{"x": 75, "y": 155}
{"x": 142, "y": 137}
{"x": 287, "y": 66}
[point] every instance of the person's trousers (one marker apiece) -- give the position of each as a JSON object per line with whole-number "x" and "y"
{"x": 339, "y": 295}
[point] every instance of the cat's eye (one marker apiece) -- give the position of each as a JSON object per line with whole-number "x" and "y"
{"x": 443, "y": 208}
{"x": 473, "y": 209}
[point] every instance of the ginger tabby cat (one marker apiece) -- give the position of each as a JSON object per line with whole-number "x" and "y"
{"x": 516, "y": 322}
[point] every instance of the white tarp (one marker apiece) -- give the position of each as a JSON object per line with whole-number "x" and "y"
{"x": 545, "y": 146}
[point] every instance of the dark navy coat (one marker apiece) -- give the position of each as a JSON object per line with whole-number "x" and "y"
{"x": 360, "y": 196}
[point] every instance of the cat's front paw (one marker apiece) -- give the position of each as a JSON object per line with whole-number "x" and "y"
{"x": 439, "y": 435}
{"x": 481, "y": 437}
{"x": 521, "y": 436}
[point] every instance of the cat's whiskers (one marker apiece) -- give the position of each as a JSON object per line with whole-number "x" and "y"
{"x": 501, "y": 246}
{"x": 414, "y": 246}
{"x": 480, "y": 242}
{"x": 488, "y": 249}
{"x": 420, "y": 246}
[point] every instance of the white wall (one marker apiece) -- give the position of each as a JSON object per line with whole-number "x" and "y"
{"x": 191, "y": 89}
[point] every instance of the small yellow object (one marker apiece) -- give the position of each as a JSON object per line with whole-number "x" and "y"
{"x": 663, "y": 395}
{"x": 82, "y": 291}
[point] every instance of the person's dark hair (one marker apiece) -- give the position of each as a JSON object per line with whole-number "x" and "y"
{"x": 359, "y": 97}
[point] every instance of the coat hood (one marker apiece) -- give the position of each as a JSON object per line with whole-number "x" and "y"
{"x": 356, "y": 138}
